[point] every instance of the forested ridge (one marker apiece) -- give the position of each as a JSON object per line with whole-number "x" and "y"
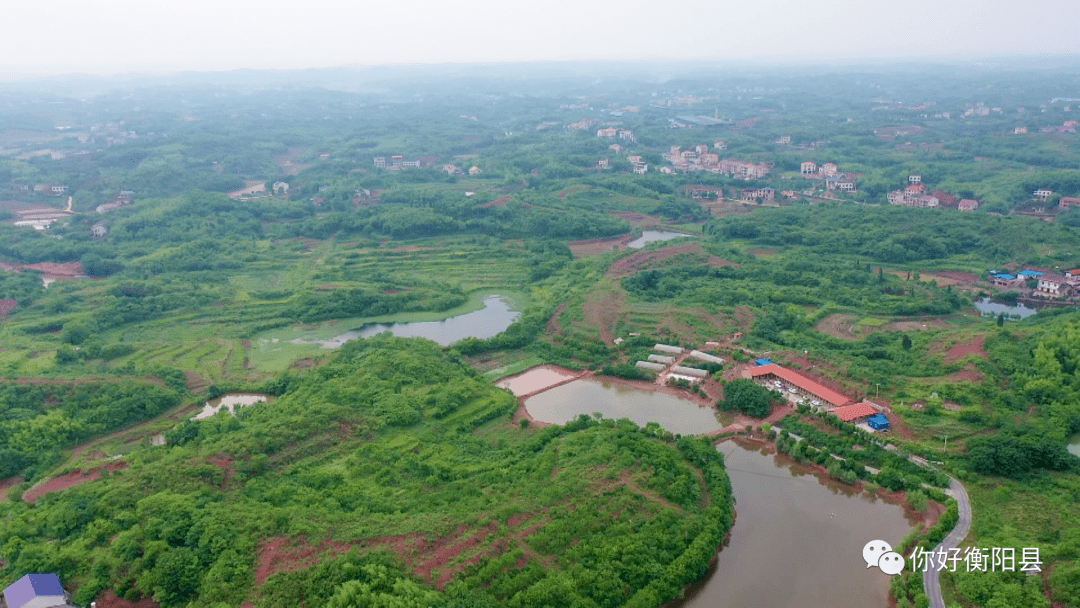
{"x": 394, "y": 437}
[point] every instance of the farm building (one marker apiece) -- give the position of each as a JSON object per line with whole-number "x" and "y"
{"x": 672, "y": 350}
{"x": 661, "y": 359}
{"x": 791, "y": 379}
{"x": 647, "y": 365}
{"x": 37, "y": 591}
{"x": 689, "y": 371}
{"x": 856, "y": 412}
{"x": 878, "y": 422}
{"x": 706, "y": 357}
{"x": 690, "y": 379}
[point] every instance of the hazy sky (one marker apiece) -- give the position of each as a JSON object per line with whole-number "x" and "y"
{"x": 105, "y": 36}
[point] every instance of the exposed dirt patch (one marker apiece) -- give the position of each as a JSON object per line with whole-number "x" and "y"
{"x": 653, "y": 258}
{"x": 638, "y": 220}
{"x": 64, "y": 269}
{"x": 109, "y": 599}
{"x": 553, "y": 327}
{"x": 763, "y": 252}
{"x": 963, "y": 349}
{"x": 302, "y": 363}
{"x": 7, "y": 305}
{"x": 245, "y": 343}
{"x": 194, "y": 382}
{"x": 499, "y": 202}
{"x": 70, "y": 479}
{"x": 589, "y": 247}
{"x": 602, "y": 313}
{"x": 970, "y": 373}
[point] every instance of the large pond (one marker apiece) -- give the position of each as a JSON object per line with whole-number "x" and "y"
{"x": 230, "y": 401}
{"x": 797, "y": 540}
{"x": 988, "y": 306}
{"x": 650, "y": 236}
{"x": 615, "y": 400}
{"x": 492, "y": 319}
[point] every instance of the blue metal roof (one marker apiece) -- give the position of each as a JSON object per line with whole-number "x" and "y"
{"x": 32, "y": 586}
{"x": 1030, "y": 273}
{"x": 1004, "y": 275}
{"x": 762, "y": 361}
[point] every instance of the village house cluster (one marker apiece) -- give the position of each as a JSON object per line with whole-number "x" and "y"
{"x": 830, "y": 172}
{"x": 699, "y": 158}
{"x": 612, "y": 132}
{"x": 1046, "y": 284}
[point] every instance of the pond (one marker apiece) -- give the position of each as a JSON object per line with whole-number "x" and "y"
{"x": 492, "y": 319}
{"x": 533, "y": 380}
{"x": 230, "y": 401}
{"x": 616, "y": 400}
{"x": 650, "y": 236}
{"x": 797, "y": 540}
{"x": 988, "y": 306}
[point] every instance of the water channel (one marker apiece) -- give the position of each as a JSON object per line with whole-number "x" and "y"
{"x": 797, "y": 540}
{"x": 650, "y": 236}
{"x": 492, "y": 319}
{"x": 615, "y": 400}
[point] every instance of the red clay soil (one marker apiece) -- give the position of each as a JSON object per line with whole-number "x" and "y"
{"x": 959, "y": 351}
{"x": 108, "y": 599}
{"x": 652, "y": 258}
{"x": 553, "y": 323}
{"x": 65, "y": 269}
{"x": 602, "y": 314}
{"x": 968, "y": 373}
{"x": 444, "y": 553}
{"x": 277, "y": 556}
{"x": 502, "y": 200}
{"x": 70, "y": 479}
{"x": 7, "y": 305}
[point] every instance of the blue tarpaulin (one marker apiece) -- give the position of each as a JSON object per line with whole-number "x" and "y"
{"x": 878, "y": 422}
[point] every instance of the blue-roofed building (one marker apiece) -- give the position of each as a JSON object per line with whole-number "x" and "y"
{"x": 762, "y": 361}
{"x": 1004, "y": 279}
{"x": 37, "y": 591}
{"x": 878, "y": 422}
{"x": 1030, "y": 274}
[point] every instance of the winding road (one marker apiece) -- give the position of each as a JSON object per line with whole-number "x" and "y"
{"x": 932, "y": 577}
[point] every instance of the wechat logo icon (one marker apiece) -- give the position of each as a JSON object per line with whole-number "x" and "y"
{"x": 879, "y": 553}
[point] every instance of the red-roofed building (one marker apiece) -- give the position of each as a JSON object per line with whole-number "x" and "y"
{"x": 1072, "y": 277}
{"x": 772, "y": 371}
{"x": 855, "y": 412}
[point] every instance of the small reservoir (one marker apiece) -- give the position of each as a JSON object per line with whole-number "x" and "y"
{"x": 652, "y": 236}
{"x": 615, "y": 400}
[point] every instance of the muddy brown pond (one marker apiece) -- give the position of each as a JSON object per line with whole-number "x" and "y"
{"x": 797, "y": 540}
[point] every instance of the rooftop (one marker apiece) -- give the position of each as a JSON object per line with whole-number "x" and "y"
{"x": 814, "y": 388}
{"x": 854, "y": 411}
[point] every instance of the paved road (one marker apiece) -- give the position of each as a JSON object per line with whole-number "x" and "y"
{"x": 931, "y": 578}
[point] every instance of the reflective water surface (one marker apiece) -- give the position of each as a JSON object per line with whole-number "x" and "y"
{"x": 797, "y": 540}
{"x": 614, "y": 400}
